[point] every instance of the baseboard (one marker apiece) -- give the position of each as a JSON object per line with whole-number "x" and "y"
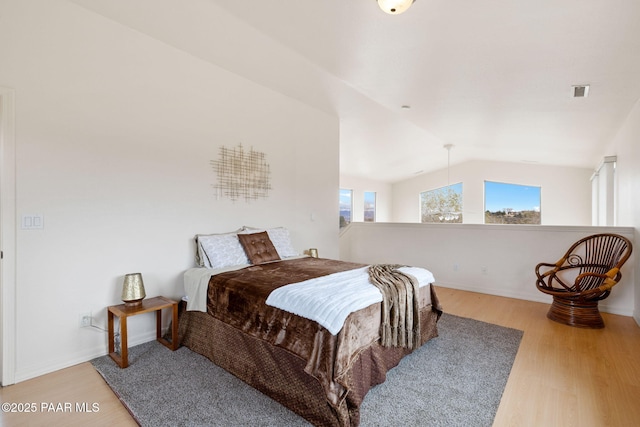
{"x": 545, "y": 299}
{"x": 542, "y": 298}
{"x": 81, "y": 357}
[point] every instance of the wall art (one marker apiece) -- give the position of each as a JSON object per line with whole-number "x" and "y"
{"x": 242, "y": 174}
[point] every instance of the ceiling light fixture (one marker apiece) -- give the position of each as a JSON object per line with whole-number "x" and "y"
{"x": 444, "y": 204}
{"x": 394, "y": 7}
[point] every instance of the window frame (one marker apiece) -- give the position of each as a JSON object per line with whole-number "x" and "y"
{"x": 340, "y": 205}
{"x": 374, "y": 203}
{"x": 525, "y": 215}
{"x": 440, "y": 193}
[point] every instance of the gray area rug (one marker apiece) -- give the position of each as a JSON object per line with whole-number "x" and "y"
{"x": 456, "y": 379}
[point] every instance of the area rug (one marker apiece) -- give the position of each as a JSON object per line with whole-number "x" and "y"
{"x": 456, "y": 379}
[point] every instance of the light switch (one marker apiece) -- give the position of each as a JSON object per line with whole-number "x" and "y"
{"x": 32, "y": 222}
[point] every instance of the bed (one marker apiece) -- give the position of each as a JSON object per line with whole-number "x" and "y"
{"x": 250, "y": 314}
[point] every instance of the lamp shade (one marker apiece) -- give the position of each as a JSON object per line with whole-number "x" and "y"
{"x": 133, "y": 290}
{"x": 394, "y": 7}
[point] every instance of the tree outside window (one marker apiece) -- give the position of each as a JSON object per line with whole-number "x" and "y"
{"x": 442, "y": 205}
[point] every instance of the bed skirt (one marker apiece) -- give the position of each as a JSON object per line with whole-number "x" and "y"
{"x": 280, "y": 374}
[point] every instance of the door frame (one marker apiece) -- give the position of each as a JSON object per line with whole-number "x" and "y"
{"x": 7, "y": 237}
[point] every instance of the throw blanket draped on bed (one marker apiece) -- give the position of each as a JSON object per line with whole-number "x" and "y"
{"x": 400, "y": 325}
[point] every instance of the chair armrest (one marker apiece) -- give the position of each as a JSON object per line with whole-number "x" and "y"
{"x": 546, "y": 280}
{"x": 611, "y": 278}
{"x": 552, "y": 268}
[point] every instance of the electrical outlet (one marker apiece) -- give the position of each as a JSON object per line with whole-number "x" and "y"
{"x": 85, "y": 320}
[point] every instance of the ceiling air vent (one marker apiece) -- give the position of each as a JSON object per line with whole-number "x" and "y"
{"x": 580, "y": 91}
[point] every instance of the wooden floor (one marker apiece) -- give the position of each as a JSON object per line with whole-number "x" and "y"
{"x": 562, "y": 376}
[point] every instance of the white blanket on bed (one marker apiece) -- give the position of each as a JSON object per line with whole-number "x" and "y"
{"x": 330, "y": 299}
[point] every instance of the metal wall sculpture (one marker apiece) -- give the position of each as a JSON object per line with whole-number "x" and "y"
{"x": 242, "y": 174}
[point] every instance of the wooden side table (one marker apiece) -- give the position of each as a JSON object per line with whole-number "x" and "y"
{"x": 121, "y": 311}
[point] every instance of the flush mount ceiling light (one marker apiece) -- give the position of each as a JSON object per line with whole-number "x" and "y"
{"x": 394, "y": 7}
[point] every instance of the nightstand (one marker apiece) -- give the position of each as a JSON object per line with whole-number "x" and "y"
{"x": 121, "y": 311}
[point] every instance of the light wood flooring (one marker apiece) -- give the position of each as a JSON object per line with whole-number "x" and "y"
{"x": 562, "y": 376}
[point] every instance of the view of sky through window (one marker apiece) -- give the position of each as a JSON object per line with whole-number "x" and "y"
{"x": 500, "y": 196}
{"x": 511, "y": 203}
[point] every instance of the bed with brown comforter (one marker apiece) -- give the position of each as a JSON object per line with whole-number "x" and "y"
{"x": 294, "y": 360}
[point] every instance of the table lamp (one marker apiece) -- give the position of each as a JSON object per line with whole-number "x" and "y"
{"x": 133, "y": 290}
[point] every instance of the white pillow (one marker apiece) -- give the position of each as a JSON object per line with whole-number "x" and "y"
{"x": 280, "y": 238}
{"x": 221, "y": 250}
{"x": 201, "y": 256}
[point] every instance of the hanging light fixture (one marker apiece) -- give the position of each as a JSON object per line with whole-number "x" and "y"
{"x": 448, "y": 211}
{"x": 394, "y": 7}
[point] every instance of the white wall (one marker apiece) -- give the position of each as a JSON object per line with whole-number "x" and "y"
{"x": 359, "y": 186}
{"x": 626, "y": 146}
{"x": 565, "y": 192}
{"x": 491, "y": 259}
{"x": 114, "y": 135}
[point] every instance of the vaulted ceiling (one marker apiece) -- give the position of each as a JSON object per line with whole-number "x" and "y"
{"x": 491, "y": 77}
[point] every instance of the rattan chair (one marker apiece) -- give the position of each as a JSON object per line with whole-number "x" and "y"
{"x": 582, "y": 277}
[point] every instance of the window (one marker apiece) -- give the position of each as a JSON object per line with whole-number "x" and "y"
{"x": 511, "y": 203}
{"x": 346, "y": 207}
{"x": 442, "y": 204}
{"x": 369, "y": 206}
{"x": 603, "y": 193}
